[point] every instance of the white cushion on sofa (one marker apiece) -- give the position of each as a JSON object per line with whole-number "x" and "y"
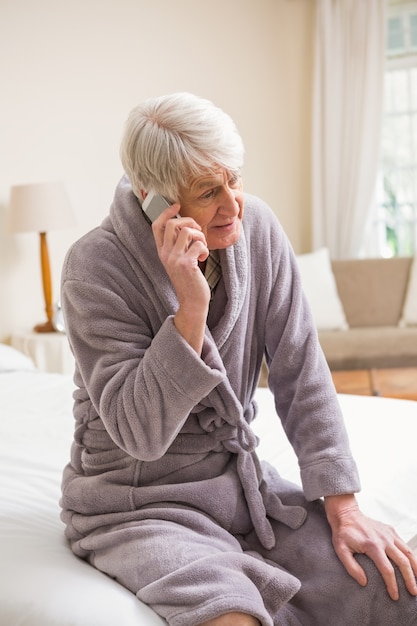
{"x": 320, "y": 288}
{"x": 409, "y": 314}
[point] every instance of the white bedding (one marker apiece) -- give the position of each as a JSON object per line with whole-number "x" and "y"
{"x": 43, "y": 584}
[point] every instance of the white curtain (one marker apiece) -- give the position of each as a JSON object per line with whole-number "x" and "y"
{"x": 347, "y": 113}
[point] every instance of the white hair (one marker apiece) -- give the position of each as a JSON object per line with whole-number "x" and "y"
{"x": 170, "y": 138}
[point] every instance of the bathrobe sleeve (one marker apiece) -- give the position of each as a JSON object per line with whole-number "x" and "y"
{"x": 142, "y": 378}
{"x": 299, "y": 376}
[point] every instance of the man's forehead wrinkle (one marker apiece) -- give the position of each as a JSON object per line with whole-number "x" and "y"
{"x": 208, "y": 180}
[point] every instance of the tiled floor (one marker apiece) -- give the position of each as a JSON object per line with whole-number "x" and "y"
{"x": 400, "y": 382}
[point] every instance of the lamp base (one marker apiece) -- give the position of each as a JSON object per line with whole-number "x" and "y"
{"x": 46, "y": 327}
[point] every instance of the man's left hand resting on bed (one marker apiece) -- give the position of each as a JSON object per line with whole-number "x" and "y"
{"x": 355, "y": 533}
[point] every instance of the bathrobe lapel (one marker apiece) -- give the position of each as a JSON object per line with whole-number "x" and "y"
{"x": 134, "y": 231}
{"x": 234, "y": 266}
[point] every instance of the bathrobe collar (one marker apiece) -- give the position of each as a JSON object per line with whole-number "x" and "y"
{"x": 135, "y": 233}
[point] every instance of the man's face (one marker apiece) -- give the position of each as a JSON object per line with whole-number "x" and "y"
{"x": 215, "y": 202}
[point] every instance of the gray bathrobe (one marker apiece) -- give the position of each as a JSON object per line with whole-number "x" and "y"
{"x": 163, "y": 433}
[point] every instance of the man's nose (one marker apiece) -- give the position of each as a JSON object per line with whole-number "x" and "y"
{"x": 227, "y": 201}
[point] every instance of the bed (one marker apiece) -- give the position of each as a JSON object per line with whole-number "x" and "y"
{"x": 43, "y": 584}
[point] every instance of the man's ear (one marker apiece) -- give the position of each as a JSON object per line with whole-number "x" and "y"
{"x": 143, "y": 194}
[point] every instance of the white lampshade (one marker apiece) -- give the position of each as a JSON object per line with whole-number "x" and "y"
{"x": 39, "y": 207}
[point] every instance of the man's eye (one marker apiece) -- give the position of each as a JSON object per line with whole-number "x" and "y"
{"x": 208, "y": 195}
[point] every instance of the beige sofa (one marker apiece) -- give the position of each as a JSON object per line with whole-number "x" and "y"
{"x": 372, "y": 292}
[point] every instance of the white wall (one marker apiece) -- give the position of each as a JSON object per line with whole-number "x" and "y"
{"x": 71, "y": 70}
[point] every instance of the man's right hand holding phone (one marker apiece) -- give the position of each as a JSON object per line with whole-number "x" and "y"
{"x": 181, "y": 246}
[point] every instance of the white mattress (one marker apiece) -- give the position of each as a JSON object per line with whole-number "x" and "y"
{"x": 43, "y": 584}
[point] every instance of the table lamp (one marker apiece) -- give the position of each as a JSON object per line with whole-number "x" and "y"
{"x": 41, "y": 207}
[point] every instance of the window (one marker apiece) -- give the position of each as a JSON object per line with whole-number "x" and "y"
{"x": 394, "y": 226}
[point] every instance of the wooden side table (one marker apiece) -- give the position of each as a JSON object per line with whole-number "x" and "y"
{"x": 49, "y": 351}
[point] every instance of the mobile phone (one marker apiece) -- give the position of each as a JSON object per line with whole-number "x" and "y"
{"x": 153, "y": 205}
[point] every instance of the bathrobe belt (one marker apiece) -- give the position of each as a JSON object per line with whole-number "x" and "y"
{"x": 261, "y": 501}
